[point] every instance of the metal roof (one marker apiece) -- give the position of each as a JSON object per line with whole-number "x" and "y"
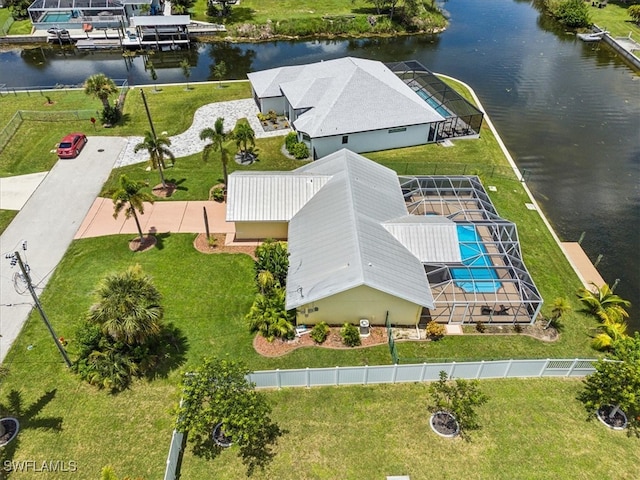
{"x": 159, "y": 20}
{"x": 430, "y": 238}
{"x": 337, "y": 240}
{"x": 345, "y": 95}
{"x": 269, "y": 196}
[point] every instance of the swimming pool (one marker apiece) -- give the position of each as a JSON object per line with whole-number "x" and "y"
{"x": 481, "y": 278}
{"x": 433, "y": 103}
{"x": 56, "y": 17}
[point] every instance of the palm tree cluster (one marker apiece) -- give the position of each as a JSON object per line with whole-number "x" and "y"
{"x": 120, "y": 338}
{"x": 268, "y": 315}
{"x": 611, "y": 312}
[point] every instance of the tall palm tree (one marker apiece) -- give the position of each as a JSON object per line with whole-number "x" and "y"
{"x": 158, "y": 151}
{"x": 128, "y": 307}
{"x": 217, "y": 137}
{"x": 243, "y": 135}
{"x": 129, "y": 198}
{"x": 101, "y": 87}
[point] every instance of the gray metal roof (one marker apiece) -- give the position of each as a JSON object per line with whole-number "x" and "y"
{"x": 345, "y": 95}
{"x": 337, "y": 240}
{"x": 269, "y": 196}
{"x": 433, "y": 238}
{"x": 159, "y": 20}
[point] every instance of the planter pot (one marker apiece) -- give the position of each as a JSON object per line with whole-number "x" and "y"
{"x": 219, "y": 437}
{"x": 617, "y": 421}
{"x": 9, "y": 428}
{"x": 444, "y": 424}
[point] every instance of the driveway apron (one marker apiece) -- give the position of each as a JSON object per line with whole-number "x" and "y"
{"x": 48, "y": 222}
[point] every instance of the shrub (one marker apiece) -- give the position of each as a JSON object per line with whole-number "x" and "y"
{"x": 571, "y": 13}
{"x": 300, "y": 151}
{"x": 480, "y": 328}
{"x": 218, "y": 194}
{"x": 272, "y": 115}
{"x": 634, "y": 12}
{"x": 320, "y": 332}
{"x": 434, "y": 330}
{"x": 110, "y": 115}
{"x": 517, "y": 328}
{"x": 350, "y": 335}
{"x": 273, "y": 257}
{"x": 290, "y": 141}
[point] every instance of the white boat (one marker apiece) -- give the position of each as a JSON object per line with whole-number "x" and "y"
{"x": 592, "y": 37}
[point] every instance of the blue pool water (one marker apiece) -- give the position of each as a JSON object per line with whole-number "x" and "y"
{"x": 481, "y": 278}
{"x": 433, "y": 103}
{"x": 56, "y": 17}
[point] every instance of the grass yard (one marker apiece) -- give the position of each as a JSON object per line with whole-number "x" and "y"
{"x": 17, "y": 28}
{"x": 615, "y": 19}
{"x": 6, "y": 217}
{"x": 533, "y": 429}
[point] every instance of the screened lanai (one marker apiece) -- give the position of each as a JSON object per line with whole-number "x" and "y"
{"x": 71, "y": 14}
{"x": 491, "y": 284}
{"x": 462, "y": 119}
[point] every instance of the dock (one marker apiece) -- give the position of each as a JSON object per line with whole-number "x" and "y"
{"x": 586, "y": 271}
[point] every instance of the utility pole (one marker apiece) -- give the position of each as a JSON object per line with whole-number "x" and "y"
{"x": 27, "y": 279}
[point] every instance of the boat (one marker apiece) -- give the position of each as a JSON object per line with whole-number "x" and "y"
{"x": 592, "y": 37}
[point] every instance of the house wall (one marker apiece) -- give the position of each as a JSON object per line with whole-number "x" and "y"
{"x": 276, "y": 104}
{"x": 261, "y": 230}
{"x": 358, "y": 303}
{"x": 371, "y": 141}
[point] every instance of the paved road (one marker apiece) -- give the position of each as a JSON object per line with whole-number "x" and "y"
{"x": 48, "y": 222}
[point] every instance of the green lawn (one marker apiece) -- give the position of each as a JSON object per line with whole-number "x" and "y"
{"x": 531, "y": 429}
{"x": 17, "y": 28}
{"x": 615, "y": 19}
{"x": 6, "y": 216}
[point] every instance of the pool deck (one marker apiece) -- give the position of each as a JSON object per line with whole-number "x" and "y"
{"x": 583, "y": 267}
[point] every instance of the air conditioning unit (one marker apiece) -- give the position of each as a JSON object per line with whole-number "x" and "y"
{"x": 364, "y": 328}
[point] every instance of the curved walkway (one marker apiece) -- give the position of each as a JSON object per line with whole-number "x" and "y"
{"x": 188, "y": 142}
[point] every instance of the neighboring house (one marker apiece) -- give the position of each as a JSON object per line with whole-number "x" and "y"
{"x": 364, "y": 245}
{"x": 88, "y": 14}
{"x": 362, "y": 105}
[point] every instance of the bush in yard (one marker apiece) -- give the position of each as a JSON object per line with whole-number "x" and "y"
{"x": 350, "y": 335}
{"x": 480, "y": 328}
{"x": 434, "y": 330}
{"x": 269, "y": 317}
{"x": 300, "y": 151}
{"x": 320, "y": 332}
{"x": 634, "y": 12}
{"x": 290, "y": 140}
{"x": 459, "y": 398}
{"x": 571, "y": 13}
{"x": 273, "y": 257}
{"x": 110, "y": 115}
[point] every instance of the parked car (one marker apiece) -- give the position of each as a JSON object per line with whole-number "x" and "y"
{"x": 71, "y": 145}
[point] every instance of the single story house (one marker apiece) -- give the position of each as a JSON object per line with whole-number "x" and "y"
{"x": 362, "y": 105}
{"x": 366, "y": 244}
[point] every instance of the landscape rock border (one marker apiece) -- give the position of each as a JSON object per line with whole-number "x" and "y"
{"x": 618, "y": 422}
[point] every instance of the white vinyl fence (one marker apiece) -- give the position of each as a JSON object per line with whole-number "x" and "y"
{"x": 423, "y": 372}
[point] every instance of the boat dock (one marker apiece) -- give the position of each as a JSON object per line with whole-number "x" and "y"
{"x": 581, "y": 264}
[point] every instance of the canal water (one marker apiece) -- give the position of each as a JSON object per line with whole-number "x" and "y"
{"x": 569, "y": 112}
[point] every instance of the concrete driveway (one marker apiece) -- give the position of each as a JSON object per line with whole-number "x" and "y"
{"x": 48, "y": 222}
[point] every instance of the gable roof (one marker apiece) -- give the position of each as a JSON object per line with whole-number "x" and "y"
{"x": 337, "y": 241}
{"x": 346, "y": 95}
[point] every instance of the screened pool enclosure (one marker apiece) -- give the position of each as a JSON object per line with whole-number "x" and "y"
{"x": 462, "y": 119}
{"x": 491, "y": 284}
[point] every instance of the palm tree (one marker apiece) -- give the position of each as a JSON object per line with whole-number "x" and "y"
{"x": 101, "y": 87}
{"x": 559, "y": 307}
{"x": 610, "y": 332}
{"x": 243, "y": 135}
{"x": 269, "y": 317}
{"x": 129, "y": 198}
{"x": 604, "y": 304}
{"x": 128, "y": 307}
{"x": 217, "y": 137}
{"x": 157, "y": 149}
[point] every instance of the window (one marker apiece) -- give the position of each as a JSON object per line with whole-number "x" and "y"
{"x": 345, "y": 139}
{"x": 397, "y": 130}
{"x": 306, "y": 137}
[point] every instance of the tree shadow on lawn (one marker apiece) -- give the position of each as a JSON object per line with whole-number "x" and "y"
{"x": 240, "y": 14}
{"x": 172, "y": 352}
{"x": 29, "y": 419}
{"x": 178, "y": 183}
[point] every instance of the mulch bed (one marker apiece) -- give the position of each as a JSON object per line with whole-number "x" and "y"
{"x": 164, "y": 192}
{"x": 277, "y": 348}
{"x": 444, "y": 423}
{"x": 11, "y": 428}
{"x": 147, "y": 243}
{"x": 202, "y": 245}
{"x": 616, "y": 421}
